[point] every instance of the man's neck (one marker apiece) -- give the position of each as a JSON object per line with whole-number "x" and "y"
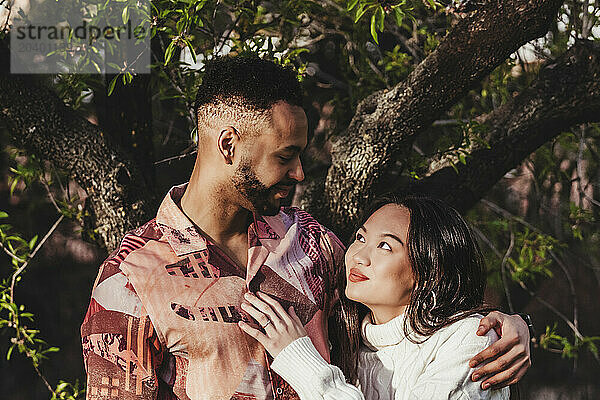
{"x": 212, "y": 212}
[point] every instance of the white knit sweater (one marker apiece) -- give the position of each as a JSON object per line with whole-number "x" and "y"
{"x": 392, "y": 367}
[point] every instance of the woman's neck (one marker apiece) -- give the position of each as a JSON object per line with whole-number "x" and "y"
{"x": 383, "y": 314}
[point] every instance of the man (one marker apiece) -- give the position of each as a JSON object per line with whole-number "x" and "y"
{"x": 162, "y": 321}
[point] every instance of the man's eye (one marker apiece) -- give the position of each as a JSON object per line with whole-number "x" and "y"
{"x": 360, "y": 238}
{"x": 285, "y": 159}
{"x": 385, "y": 246}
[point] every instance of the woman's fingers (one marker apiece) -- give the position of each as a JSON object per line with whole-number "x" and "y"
{"x": 263, "y": 319}
{"x": 255, "y": 333}
{"x": 294, "y": 316}
{"x": 275, "y": 305}
{"x": 264, "y": 308}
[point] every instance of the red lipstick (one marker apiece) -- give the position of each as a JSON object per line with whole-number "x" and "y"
{"x": 356, "y": 276}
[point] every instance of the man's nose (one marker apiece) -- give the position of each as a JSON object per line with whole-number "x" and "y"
{"x": 297, "y": 173}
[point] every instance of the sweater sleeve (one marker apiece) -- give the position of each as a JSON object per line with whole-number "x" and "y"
{"x": 448, "y": 375}
{"x": 301, "y": 365}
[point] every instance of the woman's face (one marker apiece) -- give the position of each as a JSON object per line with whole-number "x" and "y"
{"x": 378, "y": 270}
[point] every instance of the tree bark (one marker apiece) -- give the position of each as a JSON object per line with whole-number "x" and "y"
{"x": 386, "y": 122}
{"x": 118, "y": 196}
{"x": 566, "y": 93}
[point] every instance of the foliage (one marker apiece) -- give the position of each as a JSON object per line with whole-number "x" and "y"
{"x": 553, "y": 341}
{"x": 343, "y": 51}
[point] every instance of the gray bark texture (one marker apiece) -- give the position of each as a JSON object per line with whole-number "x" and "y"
{"x": 118, "y": 199}
{"x": 566, "y": 93}
{"x": 377, "y": 140}
{"x": 386, "y": 122}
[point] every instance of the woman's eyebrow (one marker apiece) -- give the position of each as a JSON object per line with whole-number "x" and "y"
{"x": 393, "y": 237}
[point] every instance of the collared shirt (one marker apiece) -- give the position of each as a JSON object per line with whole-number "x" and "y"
{"x": 162, "y": 320}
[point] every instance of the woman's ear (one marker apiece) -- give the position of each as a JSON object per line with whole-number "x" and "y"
{"x": 227, "y": 142}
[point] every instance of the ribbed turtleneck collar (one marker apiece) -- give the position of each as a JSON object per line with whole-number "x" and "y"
{"x": 378, "y": 336}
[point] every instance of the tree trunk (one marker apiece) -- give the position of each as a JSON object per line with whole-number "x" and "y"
{"x": 119, "y": 198}
{"x": 386, "y": 122}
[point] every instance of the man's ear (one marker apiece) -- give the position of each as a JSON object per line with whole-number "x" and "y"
{"x": 227, "y": 142}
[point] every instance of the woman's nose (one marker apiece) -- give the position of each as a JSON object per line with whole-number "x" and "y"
{"x": 361, "y": 256}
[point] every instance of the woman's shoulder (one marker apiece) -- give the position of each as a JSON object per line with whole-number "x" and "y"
{"x": 463, "y": 333}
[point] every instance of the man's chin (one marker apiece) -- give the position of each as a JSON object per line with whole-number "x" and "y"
{"x": 270, "y": 210}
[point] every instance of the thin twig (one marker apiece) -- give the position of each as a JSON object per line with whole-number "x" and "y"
{"x": 571, "y": 286}
{"x": 9, "y": 7}
{"x": 499, "y": 255}
{"x": 507, "y": 214}
{"x": 178, "y": 157}
{"x": 553, "y": 309}
{"x": 10, "y": 253}
{"x": 62, "y": 188}
{"x": 40, "y": 244}
{"x": 50, "y": 195}
{"x": 569, "y": 323}
{"x": 503, "y": 271}
{"x": 224, "y": 38}
{"x": 44, "y": 379}
{"x": 580, "y": 170}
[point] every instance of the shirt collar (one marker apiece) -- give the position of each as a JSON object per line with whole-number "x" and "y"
{"x": 181, "y": 233}
{"x": 263, "y": 229}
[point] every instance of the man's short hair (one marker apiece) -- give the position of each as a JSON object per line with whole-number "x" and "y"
{"x": 242, "y": 89}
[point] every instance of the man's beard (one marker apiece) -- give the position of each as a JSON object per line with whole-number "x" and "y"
{"x": 256, "y": 192}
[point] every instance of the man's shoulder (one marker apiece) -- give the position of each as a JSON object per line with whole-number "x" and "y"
{"x": 134, "y": 240}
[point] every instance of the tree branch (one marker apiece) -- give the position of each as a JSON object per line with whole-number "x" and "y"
{"x": 386, "y": 122}
{"x": 566, "y": 93}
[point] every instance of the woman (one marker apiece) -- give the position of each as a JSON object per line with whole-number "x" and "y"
{"x": 415, "y": 279}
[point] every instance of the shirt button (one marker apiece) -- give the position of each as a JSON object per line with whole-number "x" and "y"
{"x": 279, "y": 391}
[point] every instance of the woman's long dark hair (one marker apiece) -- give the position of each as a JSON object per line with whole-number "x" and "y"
{"x": 448, "y": 270}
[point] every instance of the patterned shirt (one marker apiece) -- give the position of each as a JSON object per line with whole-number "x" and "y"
{"x": 162, "y": 320}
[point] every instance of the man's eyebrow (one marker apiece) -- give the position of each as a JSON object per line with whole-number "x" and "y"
{"x": 292, "y": 148}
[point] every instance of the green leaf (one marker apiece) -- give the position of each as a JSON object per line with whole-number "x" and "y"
{"x": 9, "y": 352}
{"x": 351, "y": 4}
{"x": 3, "y": 214}
{"x": 380, "y": 18}
{"x": 111, "y": 85}
{"x": 125, "y": 14}
{"x": 169, "y": 52}
{"x": 360, "y": 11}
{"x": 32, "y": 242}
{"x": 13, "y": 186}
{"x": 373, "y": 28}
{"x": 399, "y": 15}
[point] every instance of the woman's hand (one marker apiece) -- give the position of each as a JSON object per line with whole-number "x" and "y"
{"x": 281, "y": 328}
{"x": 510, "y": 354}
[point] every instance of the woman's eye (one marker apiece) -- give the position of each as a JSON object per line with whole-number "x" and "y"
{"x": 360, "y": 238}
{"x": 385, "y": 246}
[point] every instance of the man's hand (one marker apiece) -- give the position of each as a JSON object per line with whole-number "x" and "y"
{"x": 510, "y": 355}
{"x": 281, "y": 327}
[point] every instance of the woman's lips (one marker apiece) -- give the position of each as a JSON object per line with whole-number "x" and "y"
{"x": 356, "y": 276}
